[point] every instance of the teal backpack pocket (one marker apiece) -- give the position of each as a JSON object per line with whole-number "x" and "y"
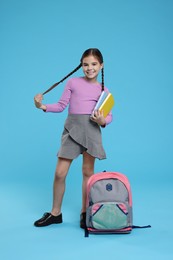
{"x": 109, "y": 215}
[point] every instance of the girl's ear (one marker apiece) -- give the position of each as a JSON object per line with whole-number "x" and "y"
{"x": 102, "y": 66}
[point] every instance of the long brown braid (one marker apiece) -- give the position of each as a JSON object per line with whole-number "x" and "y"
{"x": 68, "y": 75}
{"x": 92, "y": 51}
{"x": 102, "y": 70}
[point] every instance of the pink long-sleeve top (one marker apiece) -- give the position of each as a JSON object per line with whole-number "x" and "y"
{"x": 81, "y": 96}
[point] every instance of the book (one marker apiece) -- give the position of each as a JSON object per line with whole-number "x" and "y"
{"x": 105, "y": 103}
{"x": 100, "y": 100}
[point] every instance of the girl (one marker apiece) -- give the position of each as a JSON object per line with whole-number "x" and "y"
{"x": 82, "y": 133}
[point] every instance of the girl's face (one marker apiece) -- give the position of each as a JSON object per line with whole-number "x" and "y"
{"x": 91, "y": 68}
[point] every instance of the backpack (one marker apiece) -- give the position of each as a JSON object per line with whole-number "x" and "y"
{"x": 109, "y": 204}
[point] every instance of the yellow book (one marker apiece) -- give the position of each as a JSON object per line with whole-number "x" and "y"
{"x": 107, "y": 105}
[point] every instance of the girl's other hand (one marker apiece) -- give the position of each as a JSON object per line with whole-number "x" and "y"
{"x": 98, "y": 118}
{"x": 38, "y": 101}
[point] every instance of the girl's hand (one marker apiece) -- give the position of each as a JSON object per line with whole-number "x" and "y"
{"x": 98, "y": 118}
{"x": 38, "y": 101}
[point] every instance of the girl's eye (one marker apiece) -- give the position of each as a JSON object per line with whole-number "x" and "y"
{"x": 94, "y": 64}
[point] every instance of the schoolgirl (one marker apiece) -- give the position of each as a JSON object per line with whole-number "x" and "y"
{"x": 82, "y": 132}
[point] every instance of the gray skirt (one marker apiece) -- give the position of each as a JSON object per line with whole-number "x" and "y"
{"x": 81, "y": 134}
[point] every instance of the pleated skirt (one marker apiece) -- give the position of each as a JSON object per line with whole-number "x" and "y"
{"x": 81, "y": 134}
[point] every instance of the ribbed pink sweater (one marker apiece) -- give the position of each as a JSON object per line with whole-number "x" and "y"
{"x": 81, "y": 96}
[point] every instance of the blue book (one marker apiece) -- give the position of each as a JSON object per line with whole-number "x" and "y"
{"x": 100, "y": 100}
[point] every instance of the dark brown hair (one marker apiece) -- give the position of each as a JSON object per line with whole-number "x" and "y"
{"x": 92, "y": 51}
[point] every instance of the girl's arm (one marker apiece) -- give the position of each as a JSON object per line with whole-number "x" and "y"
{"x": 108, "y": 118}
{"x": 57, "y": 107}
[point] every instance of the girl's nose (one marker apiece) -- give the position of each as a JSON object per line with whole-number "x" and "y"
{"x": 89, "y": 67}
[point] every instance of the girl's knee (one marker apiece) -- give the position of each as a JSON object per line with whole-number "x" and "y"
{"x": 60, "y": 175}
{"x": 87, "y": 170}
{"x": 62, "y": 168}
{"x": 88, "y": 165}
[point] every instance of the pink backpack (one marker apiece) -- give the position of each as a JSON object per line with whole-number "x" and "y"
{"x": 109, "y": 204}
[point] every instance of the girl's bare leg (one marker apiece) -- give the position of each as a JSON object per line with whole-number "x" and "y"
{"x": 87, "y": 170}
{"x": 59, "y": 184}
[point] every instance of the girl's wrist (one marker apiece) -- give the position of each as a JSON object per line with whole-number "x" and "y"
{"x": 43, "y": 107}
{"x": 103, "y": 125}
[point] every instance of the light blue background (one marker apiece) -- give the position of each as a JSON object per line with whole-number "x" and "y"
{"x": 42, "y": 41}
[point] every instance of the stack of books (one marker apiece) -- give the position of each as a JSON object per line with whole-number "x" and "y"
{"x": 105, "y": 103}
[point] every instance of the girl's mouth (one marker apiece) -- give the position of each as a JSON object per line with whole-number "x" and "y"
{"x": 90, "y": 72}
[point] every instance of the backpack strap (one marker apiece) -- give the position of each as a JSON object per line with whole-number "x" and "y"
{"x": 148, "y": 226}
{"x": 86, "y": 232}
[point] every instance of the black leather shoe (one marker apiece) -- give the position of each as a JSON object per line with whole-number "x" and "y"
{"x": 83, "y": 220}
{"x": 48, "y": 219}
